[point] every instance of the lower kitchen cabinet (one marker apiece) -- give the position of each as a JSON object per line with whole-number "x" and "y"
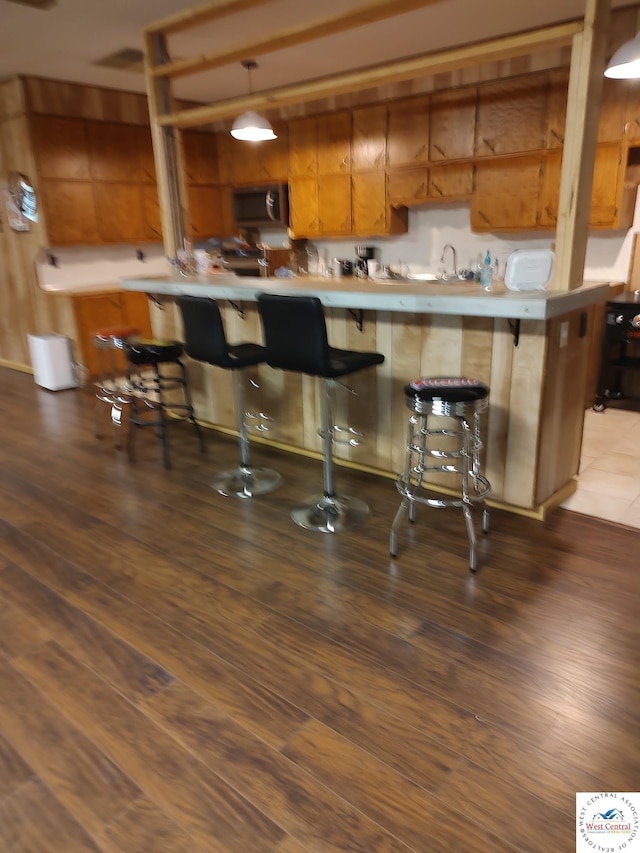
{"x": 93, "y": 311}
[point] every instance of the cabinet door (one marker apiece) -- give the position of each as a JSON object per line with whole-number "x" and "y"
{"x": 114, "y": 152}
{"x": 408, "y": 132}
{"x": 369, "y": 138}
{"x": 606, "y": 193}
{"x": 135, "y": 311}
{"x": 452, "y": 181}
{"x": 60, "y": 147}
{"x": 608, "y": 208}
{"x": 121, "y": 212}
{"x": 303, "y": 206}
{"x": 334, "y": 204}
{"x": 453, "y": 124}
{"x": 303, "y": 147}
{"x": 557, "y": 107}
{"x": 205, "y": 212}
{"x": 274, "y": 155}
{"x": 613, "y": 110}
{"x": 247, "y": 167}
{"x": 408, "y": 186}
{"x": 152, "y": 217}
{"x": 495, "y": 205}
{"x": 334, "y": 143}
{"x": 369, "y": 203}
{"x": 144, "y": 148}
{"x": 511, "y": 115}
{"x": 93, "y": 312}
{"x": 71, "y": 212}
{"x": 200, "y": 158}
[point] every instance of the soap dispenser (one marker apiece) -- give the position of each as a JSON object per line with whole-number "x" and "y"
{"x": 486, "y": 273}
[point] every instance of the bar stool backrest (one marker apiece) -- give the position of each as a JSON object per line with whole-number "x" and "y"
{"x": 204, "y": 337}
{"x": 295, "y": 333}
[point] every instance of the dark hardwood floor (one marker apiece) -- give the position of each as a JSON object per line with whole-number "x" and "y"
{"x": 182, "y": 672}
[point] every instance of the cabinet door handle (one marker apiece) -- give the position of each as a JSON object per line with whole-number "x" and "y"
{"x": 490, "y": 144}
{"x": 438, "y": 149}
{"x": 557, "y": 137}
{"x": 486, "y": 218}
{"x": 436, "y": 188}
{"x": 550, "y": 213}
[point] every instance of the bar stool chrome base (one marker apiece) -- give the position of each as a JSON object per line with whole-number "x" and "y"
{"x": 449, "y": 450}
{"x": 246, "y": 482}
{"x": 326, "y": 514}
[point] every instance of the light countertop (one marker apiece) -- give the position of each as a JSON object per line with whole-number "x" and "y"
{"x": 458, "y": 298}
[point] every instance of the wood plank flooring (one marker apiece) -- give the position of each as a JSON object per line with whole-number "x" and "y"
{"x": 184, "y": 672}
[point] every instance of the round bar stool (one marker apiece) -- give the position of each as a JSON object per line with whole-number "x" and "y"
{"x": 112, "y": 387}
{"x": 153, "y": 391}
{"x": 295, "y": 334}
{"x": 433, "y": 445}
{"x": 205, "y": 340}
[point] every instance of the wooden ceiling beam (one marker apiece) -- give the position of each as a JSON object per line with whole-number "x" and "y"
{"x": 376, "y": 10}
{"x": 492, "y": 50}
{"x": 201, "y": 15}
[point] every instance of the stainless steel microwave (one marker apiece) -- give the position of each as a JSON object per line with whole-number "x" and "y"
{"x": 265, "y": 206}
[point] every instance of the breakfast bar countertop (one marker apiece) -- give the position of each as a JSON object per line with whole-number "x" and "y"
{"x": 459, "y": 298}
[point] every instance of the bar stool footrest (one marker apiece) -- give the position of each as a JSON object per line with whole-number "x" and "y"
{"x": 326, "y": 514}
{"x": 244, "y": 482}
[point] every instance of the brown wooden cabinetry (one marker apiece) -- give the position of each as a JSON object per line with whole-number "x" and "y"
{"x": 556, "y": 108}
{"x": 511, "y": 116}
{"x": 61, "y": 148}
{"x": 209, "y": 204}
{"x": 303, "y": 147}
{"x": 453, "y": 122}
{"x": 303, "y": 206}
{"x": 369, "y": 139}
{"x": 98, "y": 310}
{"x": 408, "y": 132}
{"x": 495, "y": 204}
{"x": 261, "y": 162}
{"x": 70, "y": 212}
{"x": 200, "y": 157}
{"x": 611, "y": 201}
{"x": 408, "y": 186}
{"x": 453, "y": 181}
{"x": 334, "y": 143}
{"x": 334, "y": 204}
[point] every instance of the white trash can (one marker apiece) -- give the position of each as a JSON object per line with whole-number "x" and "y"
{"x": 52, "y": 361}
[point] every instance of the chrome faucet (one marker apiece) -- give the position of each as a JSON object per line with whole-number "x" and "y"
{"x": 454, "y": 260}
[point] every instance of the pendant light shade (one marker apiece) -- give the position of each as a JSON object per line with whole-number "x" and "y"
{"x": 625, "y": 62}
{"x": 250, "y": 126}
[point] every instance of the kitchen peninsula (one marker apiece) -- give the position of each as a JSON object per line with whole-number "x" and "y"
{"x": 529, "y": 347}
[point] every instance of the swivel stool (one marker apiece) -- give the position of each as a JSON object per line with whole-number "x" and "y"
{"x": 112, "y": 387}
{"x": 451, "y": 446}
{"x": 205, "y": 340}
{"x": 154, "y": 390}
{"x": 295, "y": 335}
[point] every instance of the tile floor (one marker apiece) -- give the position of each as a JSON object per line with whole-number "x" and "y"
{"x": 609, "y": 479}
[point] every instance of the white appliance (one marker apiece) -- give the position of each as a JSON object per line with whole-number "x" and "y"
{"x": 52, "y": 361}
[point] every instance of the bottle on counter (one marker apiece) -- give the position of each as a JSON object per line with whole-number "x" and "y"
{"x": 486, "y": 272}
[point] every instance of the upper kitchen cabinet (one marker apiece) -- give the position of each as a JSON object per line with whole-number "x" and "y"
{"x": 612, "y": 201}
{"x": 261, "y": 162}
{"x": 495, "y": 205}
{"x": 70, "y": 212}
{"x": 613, "y": 111}
{"x": 114, "y": 152}
{"x": 408, "y": 132}
{"x": 453, "y": 124}
{"x": 373, "y": 216}
{"x": 450, "y": 181}
{"x": 303, "y": 146}
{"x": 511, "y": 116}
{"x": 334, "y": 143}
{"x": 408, "y": 186}
{"x": 200, "y": 157}
{"x": 369, "y": 138}
{"x": 334, "y": 205}
{"x": 61, "y": 147}
{"x": 303, "y": 206}
{"x": 557, "y": 107}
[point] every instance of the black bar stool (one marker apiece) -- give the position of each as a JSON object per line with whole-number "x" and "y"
{"x": 435, "y": 445}
{"x": 205, "y": 340}
{"x": 295, "y": 334}
{"x": 153, "y": 391}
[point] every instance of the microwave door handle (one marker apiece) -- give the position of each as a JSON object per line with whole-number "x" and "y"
{"x": 270, "y": 202}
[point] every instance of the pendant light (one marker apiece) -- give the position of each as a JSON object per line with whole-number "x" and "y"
{"x": 625, "y": 62}
{"x": 250, "y": 126}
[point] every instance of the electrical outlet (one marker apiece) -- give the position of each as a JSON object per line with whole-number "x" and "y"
{"x": 564, "y": 334}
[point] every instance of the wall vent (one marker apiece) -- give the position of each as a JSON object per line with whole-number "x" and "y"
{"x": 126, "y": 59}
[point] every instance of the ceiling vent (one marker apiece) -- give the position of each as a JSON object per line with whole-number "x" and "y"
{"x": 35, "y": 4}
{"x": 126, "y": 59}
